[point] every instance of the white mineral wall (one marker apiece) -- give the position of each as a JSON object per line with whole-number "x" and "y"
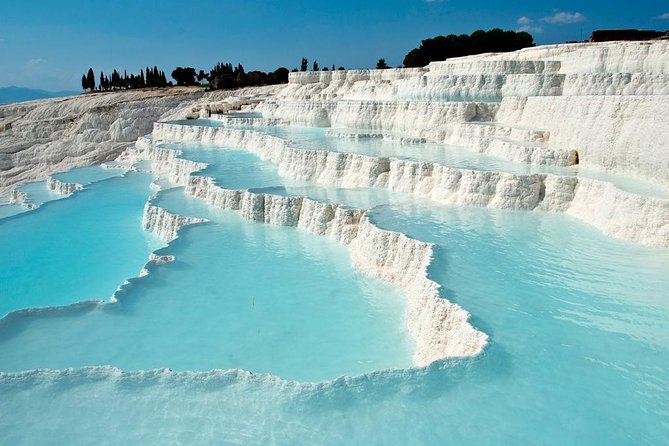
{"x": 487, "y": 87}
{"x": 604, "y": 57}
{"x": 232, "y": 120}
{"x": 164, "y": 162}
{"x": 645, "y": 221}
{"x": 165, "y": 224}
{"x": 18, "y": 196}
{"x": 61, "y": 187}
{"x": 501, "y": 65}
{"x": 43, "y": 137}
{"x": 603, "y": 101}
{"x": 352, "y": 76}
{"x": 401, "y": 116}
{"x": 624, "y": 134}
{"x": 615, "y": 84}
{"x": 439, "y": 328}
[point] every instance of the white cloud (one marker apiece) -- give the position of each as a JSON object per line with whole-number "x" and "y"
{"x": 34, "y": 62}
{"x": 564, "y": 18}
{"x": 531, "y": 29}
{"x": 526, "y": 25}
{"x": 664, "y": 16}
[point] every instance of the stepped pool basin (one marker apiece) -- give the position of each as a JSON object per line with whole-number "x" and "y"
{"x": 257, "y": 333}
{"x": 241, "y": 295}
{"x": 313, "y": 138}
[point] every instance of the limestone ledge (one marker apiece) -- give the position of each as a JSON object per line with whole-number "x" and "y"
{"x": 615, "y": 212}
{"x": 439, "y": 328}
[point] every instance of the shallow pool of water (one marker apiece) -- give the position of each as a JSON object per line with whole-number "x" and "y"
{"x": 578, "y": 323}
{"x": 75, "y": 249}
{"x": 239, "y": 295}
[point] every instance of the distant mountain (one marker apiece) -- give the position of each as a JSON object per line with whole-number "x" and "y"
{"x": 20, "y": 94}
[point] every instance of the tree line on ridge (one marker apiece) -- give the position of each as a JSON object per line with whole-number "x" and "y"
{"x": 227, "y": 76}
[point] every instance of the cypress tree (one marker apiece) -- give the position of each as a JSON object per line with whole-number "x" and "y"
{"x": 381, "y": 64}
{"x": 84, "y": 82}
{"x": 114, "y": 80}
{"x": 90, "y": 79}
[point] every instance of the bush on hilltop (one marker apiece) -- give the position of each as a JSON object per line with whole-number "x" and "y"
{"x": 444, "y": 47}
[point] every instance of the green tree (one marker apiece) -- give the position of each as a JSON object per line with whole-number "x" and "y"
{"x": 478, "y": 42}
{"x": 184, "y": 76}
{"x": 381, "y": 64}
{"x": 304, "y": 64}
{"x": 115, "y": 80}
{"x": 281, "y": 75}
{"x": 84, "y": 82}
{"x": 90, "y": 79}
{"x": 314, "y": 66}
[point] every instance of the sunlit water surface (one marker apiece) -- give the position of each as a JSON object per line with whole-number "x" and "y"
{"x": 578, "y": 325}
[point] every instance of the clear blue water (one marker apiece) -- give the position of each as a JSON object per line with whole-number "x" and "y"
{"x": 238, "y": 169}
{"x": 88, "y": 174}
{"x": 578, "y": 325}
{"x": 577, "y": 356}
{"x": 8, "y": 209}
{"x": 75, "y": 249}
{"x": 259, "y": 297}
{"x": 39, "y": 193}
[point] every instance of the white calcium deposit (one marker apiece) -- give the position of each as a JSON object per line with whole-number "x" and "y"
{"x": 62, "y": 187}
{"x": 38, "y": 138}
{"x": 603, "y": 105}
{"x": 439, "y": 328}
{"x": 618, "y": 213}
{"x": 165, "y": 224}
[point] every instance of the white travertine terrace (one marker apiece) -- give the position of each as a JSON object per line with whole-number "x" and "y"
{"x": 246, "y": 121}
{"x": 347, "y": 134}
{"x": 17, "y": 196}
{"x": 615, "y": 212}
{"x": 39, "y": 138}
{"x": 439, "y": 328}
{"x": 62, "y": 187}
{"x": 602, "y": 105}
{"x": 165, "y": 224}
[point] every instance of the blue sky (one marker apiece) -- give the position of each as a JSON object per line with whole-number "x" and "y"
{"x": 49, "y": 44}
